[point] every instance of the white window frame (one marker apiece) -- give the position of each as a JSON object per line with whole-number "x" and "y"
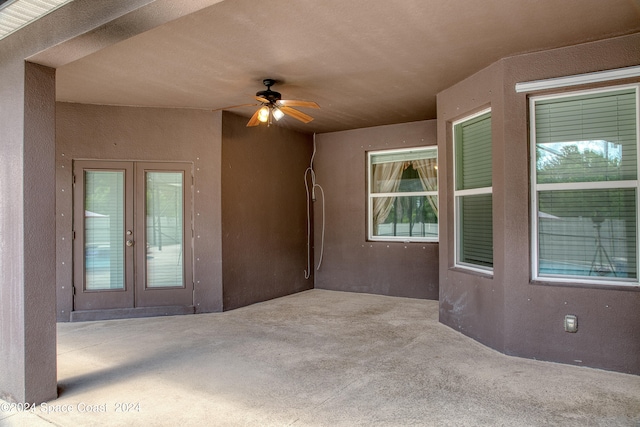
{"x": 371, "y": 195}
{"x": 604, "y": 185}
{"x": 579, "y": 79}
{"x": 458, "y": 194}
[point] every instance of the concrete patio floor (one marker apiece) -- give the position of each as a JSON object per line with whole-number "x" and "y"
{"x": 318, "y": 358}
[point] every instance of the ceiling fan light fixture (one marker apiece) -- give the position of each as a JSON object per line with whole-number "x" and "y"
{"x": 263, "y": 115}
{"x": 277, "y": 113}
{"x": 272, "y": 106}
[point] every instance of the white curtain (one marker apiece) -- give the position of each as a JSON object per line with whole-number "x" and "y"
{"x": 428, "y": 172}
{"x": 386, "y": 179}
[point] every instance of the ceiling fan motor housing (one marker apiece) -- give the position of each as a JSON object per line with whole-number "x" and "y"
{"x": 270, "y": 95}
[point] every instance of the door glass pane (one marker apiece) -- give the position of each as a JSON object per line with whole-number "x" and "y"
{"x": 164, "y": 229}
{"x": 104, "y": 230}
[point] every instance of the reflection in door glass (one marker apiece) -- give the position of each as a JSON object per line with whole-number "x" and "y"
{"x": 164, "y": 229}
{"x": 104, "y": 230}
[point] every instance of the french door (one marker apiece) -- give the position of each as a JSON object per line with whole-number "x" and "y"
{"x": 132, "y": 235}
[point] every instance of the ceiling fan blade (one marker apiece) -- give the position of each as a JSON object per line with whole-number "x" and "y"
{"x": 236, "y": 106}
{"x": 263, "y": 100}
{"x": 253, "y": 121}
{"x": 296, "y": 114}
{"x": 294, "y": 103}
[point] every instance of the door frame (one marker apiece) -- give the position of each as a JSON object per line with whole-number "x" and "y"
{"x": 135, "y": 300}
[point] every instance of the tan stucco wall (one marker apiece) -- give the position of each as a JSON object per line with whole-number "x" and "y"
{"x": 264, "y": 215}
{"x": 350, "y": 262}
{"x": 508, "y": 311}
{"x": 143, "y": 134}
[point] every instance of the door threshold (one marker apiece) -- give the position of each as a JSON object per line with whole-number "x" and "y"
{"x": 127, "y": 313}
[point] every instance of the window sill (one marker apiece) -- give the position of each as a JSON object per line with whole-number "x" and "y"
{"x": 399, "y": 241}
{"x": 611, "y": 286}
{"x": 488, "y": 274}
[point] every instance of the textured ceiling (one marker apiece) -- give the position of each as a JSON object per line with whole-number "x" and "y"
{"x": 366, "y": 62}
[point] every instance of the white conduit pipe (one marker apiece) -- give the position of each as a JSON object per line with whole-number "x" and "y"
{"x": 311, "y": 173}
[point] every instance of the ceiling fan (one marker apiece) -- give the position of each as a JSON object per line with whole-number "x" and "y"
{"x": 274, "y": 107}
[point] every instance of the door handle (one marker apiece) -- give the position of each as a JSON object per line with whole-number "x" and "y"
{"x": 129, "y": 242}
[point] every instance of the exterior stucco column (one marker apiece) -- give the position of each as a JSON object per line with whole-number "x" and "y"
{"x": 27, "y": 231}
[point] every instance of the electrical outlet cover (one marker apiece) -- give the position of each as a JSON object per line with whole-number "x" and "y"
{"x": 571, "y": 323}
